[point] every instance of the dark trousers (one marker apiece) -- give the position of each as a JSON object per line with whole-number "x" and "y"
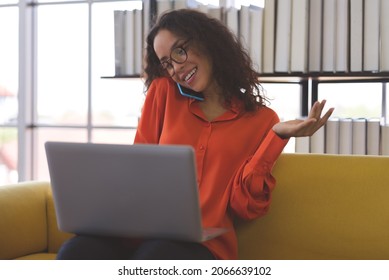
{"x": 107, "y": 248}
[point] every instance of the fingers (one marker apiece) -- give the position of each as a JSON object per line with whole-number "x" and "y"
{"x": 307, "y": 127}
{"x": 316, "y": 121}
{"x": 326, "y": 116}
{"x": 317, "y": 109}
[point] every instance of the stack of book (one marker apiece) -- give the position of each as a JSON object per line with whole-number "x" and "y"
{"x": 358, "y": 136}
{"x": 314, "y": 36}
{"x": 128, "y": 42}
{"x": 284, "y": 36}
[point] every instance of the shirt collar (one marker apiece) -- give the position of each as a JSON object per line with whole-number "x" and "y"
{"x": 233, "y": 112}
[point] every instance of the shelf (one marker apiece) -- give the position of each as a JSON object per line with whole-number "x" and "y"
{"x": 325, "y": 77}
{"x": 300, "y": 77}
{"x": 122, "y": 77}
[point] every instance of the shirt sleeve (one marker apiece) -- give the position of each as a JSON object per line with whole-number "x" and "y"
{"x": 253, "y": 183}
{"x": 152, "y": 117}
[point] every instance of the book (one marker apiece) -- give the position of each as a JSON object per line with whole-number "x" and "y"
{"x": 147, "y": 15}
{"x": 342, "y": 35}
{"x": 129, "y": 42}
{"x": 302, "y": 145}
{"x": 283, "y": 32}
{"x": 164, "y": 6}
{"x": 299, "y": 36}
{"x": 371, "y": 35}
{"x": 315, "y": 35}
{"x": 138, "y": 41}
{"x": 384, "y": 65}
{"x": 256, "y": 33}
{"x": 356, "y": 35}
{"x": 215, "y": 12}
{"x": 119, "y": 42}
{"x": 317, "y": 141}
{"x": 180, "y": 4}
{"x": 232, "y": 20}
{"x": 244, "y": 27}
{"x": 359, "y": 136}
{"x": 268, "y": 35}
{"x": 385, "y": 140}
{"x": 332, "y": 136}
{"x": 345, "y": 136}
{"x": 329, "y": 33}
{"x": 373, "y": 136}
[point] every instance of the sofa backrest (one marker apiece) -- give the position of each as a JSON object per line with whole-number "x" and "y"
{"x": 324, "y": 207}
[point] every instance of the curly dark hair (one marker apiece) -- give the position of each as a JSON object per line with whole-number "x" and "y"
{"x": 232, "y": 66}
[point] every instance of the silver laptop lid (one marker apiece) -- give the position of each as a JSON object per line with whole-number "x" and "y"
{"x": 125, "y": 190}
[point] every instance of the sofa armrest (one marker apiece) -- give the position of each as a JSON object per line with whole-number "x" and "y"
{"x": 55, "y": 237}
{"x": 23, "y": 219}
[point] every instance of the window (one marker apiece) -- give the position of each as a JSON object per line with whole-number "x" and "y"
{"x": 75, "y": 49}
{"x": 9, "y": 24}
{"x": 353, "y": 100}
{"x": 62, "y": 64}
{"x": 285, "y": 100}
{"x": 115, "y": 102}
{"x": 52, "y": 84}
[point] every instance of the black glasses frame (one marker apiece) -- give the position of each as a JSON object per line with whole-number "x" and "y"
{"x": 167, "y": 65}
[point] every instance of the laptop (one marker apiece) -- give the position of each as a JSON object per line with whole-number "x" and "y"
{"x": 142, "y": 190}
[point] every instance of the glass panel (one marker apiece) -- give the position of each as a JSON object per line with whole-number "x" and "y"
{"x": 114, "y": 101}
{"x": 6, "y": 2}
{"x": 113, "y": 136}
{"x": 285, "y": 99}
{"x": 41, "y": 171}
{"x": 62, "y": 83}
{"x": 117, "y": 102}
{"x": 353, "y": 100}
{"x": 9, "y": 48}
{"x": 8, "y": 155}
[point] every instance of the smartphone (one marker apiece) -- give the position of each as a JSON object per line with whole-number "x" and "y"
{"x": 190, "y": 93}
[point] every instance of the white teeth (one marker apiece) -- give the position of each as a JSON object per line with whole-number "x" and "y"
{"x": 190, "y": 74}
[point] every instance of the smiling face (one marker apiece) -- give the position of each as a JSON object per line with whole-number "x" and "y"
{"x": 195, "y": 72}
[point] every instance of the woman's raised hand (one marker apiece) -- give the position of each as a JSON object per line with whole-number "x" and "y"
{"x": 305, "y": 127}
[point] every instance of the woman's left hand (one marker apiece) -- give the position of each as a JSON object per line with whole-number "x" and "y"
{"x": 306, "y": 127}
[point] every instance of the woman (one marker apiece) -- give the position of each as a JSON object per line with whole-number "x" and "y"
{"x": 236, "y": 138}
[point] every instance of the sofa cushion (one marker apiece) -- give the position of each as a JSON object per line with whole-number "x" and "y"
{"x": 23, "y": 224}
{"x": 324, "y": 207}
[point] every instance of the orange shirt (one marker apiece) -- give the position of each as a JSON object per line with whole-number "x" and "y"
{"x": 235, "y": 154}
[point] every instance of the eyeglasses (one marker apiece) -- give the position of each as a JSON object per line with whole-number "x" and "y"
{"x": 177, "y": 55}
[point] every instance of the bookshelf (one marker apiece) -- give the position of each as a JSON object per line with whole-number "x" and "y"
{"x": 344, "y": 63}
{"x": 315, "y": 47}
{"x": 305, "y": 28}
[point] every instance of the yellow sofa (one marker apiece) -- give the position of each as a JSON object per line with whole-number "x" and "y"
{"x": 324, "y": 207}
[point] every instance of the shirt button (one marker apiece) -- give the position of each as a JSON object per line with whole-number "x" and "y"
{"x": 202, "y": 147}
